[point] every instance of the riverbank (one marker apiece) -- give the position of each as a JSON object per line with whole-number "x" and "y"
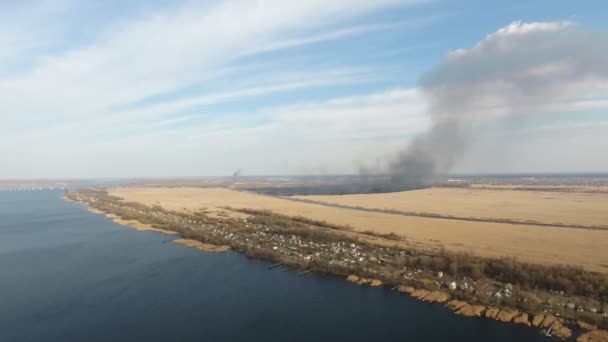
{"x": 552, "y": 325}
{"x": 135, "y": 224}
{"x": 328, "y": 250}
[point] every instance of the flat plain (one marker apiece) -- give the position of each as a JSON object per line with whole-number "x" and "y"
{"x": 547, "y": 207}
{"x": 526, "y": 242}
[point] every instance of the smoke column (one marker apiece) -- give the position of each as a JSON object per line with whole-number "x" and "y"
{"x": 522, "y": 69}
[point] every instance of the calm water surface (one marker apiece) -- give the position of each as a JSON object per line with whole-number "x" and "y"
{"x": 69, "y": 275}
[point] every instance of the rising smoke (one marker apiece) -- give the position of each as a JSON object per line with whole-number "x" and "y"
{"x": 522, "y": 69}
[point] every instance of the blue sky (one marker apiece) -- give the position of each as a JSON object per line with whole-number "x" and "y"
{"x": 199, "y": 88}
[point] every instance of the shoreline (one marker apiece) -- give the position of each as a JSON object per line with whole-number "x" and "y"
{"x": 135, "y": 224}
{"x": 466, "y": 309}
{"x": 557, "y": 326}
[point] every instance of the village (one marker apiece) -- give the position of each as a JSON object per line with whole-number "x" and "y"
{"x": 295, "y": 245}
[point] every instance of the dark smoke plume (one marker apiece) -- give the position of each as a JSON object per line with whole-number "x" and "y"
{"x": 516, "y": 70}
{"x": 427, "y": 155}
{"x": 521, "y": 69}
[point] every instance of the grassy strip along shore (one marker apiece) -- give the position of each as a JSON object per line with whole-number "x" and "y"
{"x": 549, "y": 297}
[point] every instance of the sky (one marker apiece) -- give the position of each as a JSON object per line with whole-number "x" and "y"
{"x": 271, "y": 87}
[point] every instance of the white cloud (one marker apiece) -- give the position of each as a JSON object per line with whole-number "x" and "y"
{"x": 333, "y": 136}
{"x": 522, "y": 64}
{"x": 520, "y": 71}
{"x": 25, "y": 30}
{"x": 164, "y": 51}
{"x": 67, "y": 97}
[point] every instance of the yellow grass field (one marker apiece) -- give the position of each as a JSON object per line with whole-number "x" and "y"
{"x": 590, "y": 209}
{"x": 545, "y": 245}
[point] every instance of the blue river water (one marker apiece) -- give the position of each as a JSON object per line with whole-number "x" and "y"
{"x": 69, "y": 275}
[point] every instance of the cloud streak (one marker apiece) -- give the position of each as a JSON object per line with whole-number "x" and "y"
{"x": 164, "y": 51}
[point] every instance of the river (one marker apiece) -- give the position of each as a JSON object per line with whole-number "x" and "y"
{"x": 69, "y": 275}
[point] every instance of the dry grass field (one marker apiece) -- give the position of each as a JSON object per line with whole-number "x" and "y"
{"x": 545, "y": 245}
{"x": 561, "y": 207}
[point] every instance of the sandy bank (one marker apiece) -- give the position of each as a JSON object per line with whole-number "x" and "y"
{"x": 146, "y": 227}
{"x": 202, "y": 246}
{"x": 138, "y": 225}
{"x": 132, "y": 223}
